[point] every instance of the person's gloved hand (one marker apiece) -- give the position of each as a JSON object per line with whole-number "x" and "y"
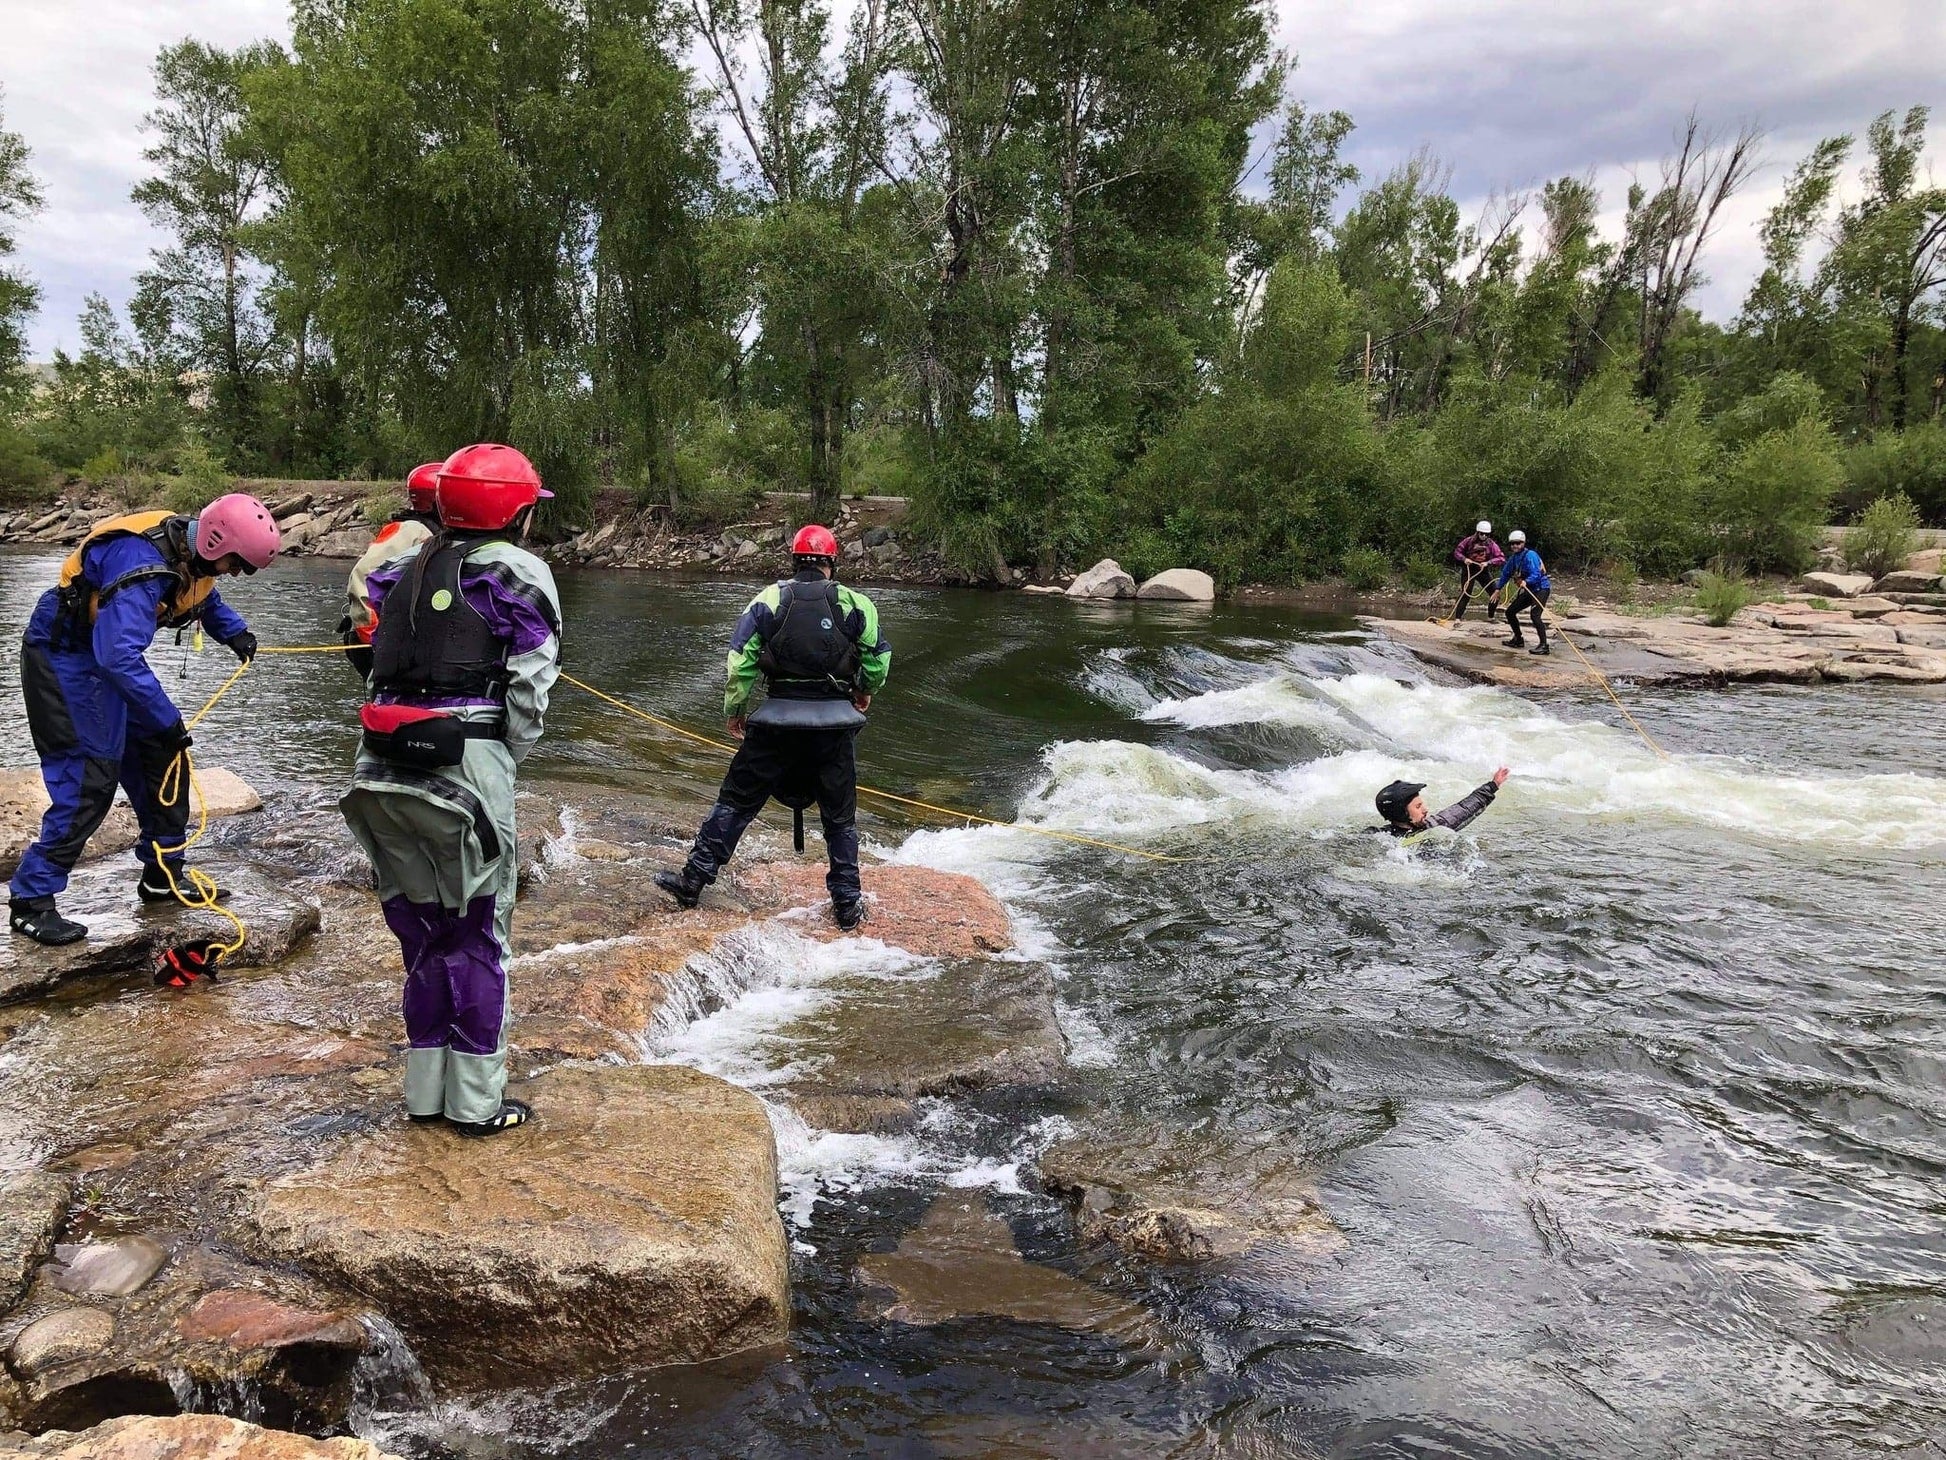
{"x": 243, "y": 645}
{"x": 176, "y": 739}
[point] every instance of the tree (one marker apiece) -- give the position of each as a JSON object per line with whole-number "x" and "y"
{"x": 1889, "y": 260}
{"x": 211, "y": 181}
{"x": 1669, "y": 229}
{"x": 20, "y": 197}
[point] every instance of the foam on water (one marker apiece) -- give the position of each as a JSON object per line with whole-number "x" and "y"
{"x": 1448, "y": 738}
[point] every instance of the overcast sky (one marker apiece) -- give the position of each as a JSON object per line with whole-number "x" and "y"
{"x": 1508, "y": 92}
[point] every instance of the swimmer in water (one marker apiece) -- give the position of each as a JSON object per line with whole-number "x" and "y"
{"x": 1404, "y": 809}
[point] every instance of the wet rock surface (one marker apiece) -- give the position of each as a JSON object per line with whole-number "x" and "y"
{"x": 64, "y": 1336}
{"x": 971, "y": 1026}
{"x": 125, "y": 934}
{"x": 185, "y": 1437}
{"x": 1790, "y": 642}
{"x": 961, "y": 1262}
{"x": 31, "y": 1207}
{"x": 929, "y": 914}
{"x": 633, "y": 1222}
{"x": 1175, "y": 1196}
{"x": 107, "y": 1269}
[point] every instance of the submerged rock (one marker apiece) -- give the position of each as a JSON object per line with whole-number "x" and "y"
{"x": 64, "y": 1336}
{"x": 1105, "y": 580}
{"x": 961, "y": 1262}
{"x": 1181, "y": 585}
{"x": 634, "y": 1222}
{"x": 184, "y": 1437}
{"x": 1180, "y": 1197}
{"x": 31, "y": 1208}
{"x": 109, "y": 1269}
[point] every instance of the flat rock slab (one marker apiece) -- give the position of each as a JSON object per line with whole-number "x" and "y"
{"x": 184, "y": 1437}
{"x": 31, "y": 1208}
{"x": 242, "y": 1318}
{"x": 125, "y": 934}
{"x": 1780, "y": 642}
{"x": 23, "y": 801}
{"x": 633, "y": 1222}
{"x": 927, "y": 913}
{"x": 977, "y": 1024}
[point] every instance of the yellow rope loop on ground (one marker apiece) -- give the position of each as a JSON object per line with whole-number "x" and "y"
{"x": 167, "y": 794}
{"x": 946, "y": 811}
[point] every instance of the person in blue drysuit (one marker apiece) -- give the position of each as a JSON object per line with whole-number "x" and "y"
{"x": 96, "y": 712}
{"x": 1535, "y": 586}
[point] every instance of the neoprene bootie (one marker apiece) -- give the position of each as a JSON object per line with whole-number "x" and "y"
{"x": 684, "y": 886}
{"x": 39, "y": 919}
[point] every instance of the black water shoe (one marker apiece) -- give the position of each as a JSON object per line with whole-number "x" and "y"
{"x": 1539, "y": 649}
{"x": 434, "y": 1119}
{"x": 1516, "y": 642}
{"x": 39, "y": 919}
{"x": 685, "y": 889}
{"x": 154, "y": 888}
{"x": 848, "y": 914}
{"x": 510, "y": 1114}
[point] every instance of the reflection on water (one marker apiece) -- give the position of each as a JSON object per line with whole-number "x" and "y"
{"x": 1628, "y": 1102}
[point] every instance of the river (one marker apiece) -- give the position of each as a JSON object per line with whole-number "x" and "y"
{"x": 1628, "y": 1101}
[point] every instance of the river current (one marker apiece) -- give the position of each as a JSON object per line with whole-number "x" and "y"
{"x": 1628, "y": 1100}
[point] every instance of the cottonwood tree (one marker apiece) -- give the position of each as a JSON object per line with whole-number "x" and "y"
{"x": 211, "y": 181}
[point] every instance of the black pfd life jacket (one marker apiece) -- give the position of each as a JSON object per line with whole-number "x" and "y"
{"x": 430, "y": 640}
{"x": 810, "y": 656}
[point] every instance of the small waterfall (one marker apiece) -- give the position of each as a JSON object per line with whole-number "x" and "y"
{"x": 387, "y": 1385}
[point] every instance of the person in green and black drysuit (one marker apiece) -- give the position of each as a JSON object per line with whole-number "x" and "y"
{"x": 817, "y": 646}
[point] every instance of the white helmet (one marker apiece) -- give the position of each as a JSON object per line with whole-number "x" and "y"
{"x": 1516, "y": 536}
{"x": 1483, "y": 528}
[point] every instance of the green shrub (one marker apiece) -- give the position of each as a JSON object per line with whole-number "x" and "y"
{"x": 1720, "y": 594}
{"x": 1366, "y": 569}
{"x": 381, "y": 502}
{"x": 1422, "y": 573}
{"x": 1883, "y": 537}
{"x": 24, "y": 473}
{"x": 103, "y": 467}
{"x": 1822, "y": 605}
{"x": 199, "y": 480}
{"x": 1770, "y": 501}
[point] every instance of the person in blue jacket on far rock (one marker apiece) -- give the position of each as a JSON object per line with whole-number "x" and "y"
{"x": 97, "y": 713}
{"x": 1535, "y": 586}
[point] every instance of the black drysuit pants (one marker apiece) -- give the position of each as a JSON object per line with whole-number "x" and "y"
{"x": 798, "y": 766}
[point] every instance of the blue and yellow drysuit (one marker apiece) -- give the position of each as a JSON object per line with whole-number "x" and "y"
{"x": 97, "y": 713}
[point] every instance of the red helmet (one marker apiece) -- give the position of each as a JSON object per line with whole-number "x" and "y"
{"x": 484, "y": 487}
{"x": 814, "y": 542}
{"x": 422, "y": 487}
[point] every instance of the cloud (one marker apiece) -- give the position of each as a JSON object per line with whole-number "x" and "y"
{"x": 1510, "y": 93}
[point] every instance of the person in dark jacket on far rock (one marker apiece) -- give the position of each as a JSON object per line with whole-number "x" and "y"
{"x": 1404, "y": 809}
{"x": 817, "y": 646}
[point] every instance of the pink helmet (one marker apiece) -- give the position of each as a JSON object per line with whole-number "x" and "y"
{"x": 238, "y": 524}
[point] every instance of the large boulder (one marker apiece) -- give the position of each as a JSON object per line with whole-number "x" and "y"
{"x": 1930, "y": 560}
{"x": 633, "y": 1222}
{"x": 1908, "y": 580}
{"x": 1837, "y": 585}
{"x": 1180, "y": 585}
{"x": 184, "y": 1437}
{"x": 1105, "y": 580}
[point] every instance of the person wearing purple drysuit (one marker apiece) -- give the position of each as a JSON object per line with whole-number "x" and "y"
{"x": 442, "y": 839}
{"x": 1479, "y": 557}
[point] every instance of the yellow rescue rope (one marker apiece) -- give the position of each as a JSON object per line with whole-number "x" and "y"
{"x": 181, "y": 768}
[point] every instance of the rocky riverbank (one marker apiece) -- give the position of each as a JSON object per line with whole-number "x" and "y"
{"x": 212, "y": 1201}
{"x": 1803, "y": 638}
